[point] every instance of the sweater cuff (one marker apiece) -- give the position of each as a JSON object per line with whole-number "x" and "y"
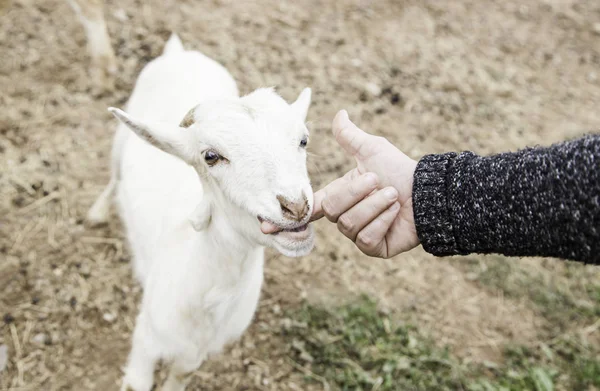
{"x": 431, "y": 204}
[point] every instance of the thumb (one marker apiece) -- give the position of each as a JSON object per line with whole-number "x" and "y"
{"x": 348, "y": 135}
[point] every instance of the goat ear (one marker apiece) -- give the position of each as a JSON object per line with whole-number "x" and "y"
{"x": 302, "y": 104}
{"x": 171, "y": 139}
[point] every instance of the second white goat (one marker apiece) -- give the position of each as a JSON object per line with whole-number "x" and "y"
{"x": 192, "y": 190}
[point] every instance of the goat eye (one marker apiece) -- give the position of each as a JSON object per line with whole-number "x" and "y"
{"x": 211, "y": 157}
{"x": 304, "y": 142}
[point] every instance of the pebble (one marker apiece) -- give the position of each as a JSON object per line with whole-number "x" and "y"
{"x": 40, "y": 338}
{"x": 120, "y": 14}
{"x": 109, "y": 317}
{"x": 373, "y": 89}
{"x": 596, "y": 28}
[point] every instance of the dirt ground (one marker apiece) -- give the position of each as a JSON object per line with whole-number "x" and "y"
{"x": 432, "y": 76}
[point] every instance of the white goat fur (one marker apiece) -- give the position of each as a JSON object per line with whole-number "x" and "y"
{"x": 193, "y": 229}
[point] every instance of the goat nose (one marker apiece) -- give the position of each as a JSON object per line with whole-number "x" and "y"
{"x": 294, "y": 210}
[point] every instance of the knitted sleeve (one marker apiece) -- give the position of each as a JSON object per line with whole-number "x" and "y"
{"x": 535, "y": 202}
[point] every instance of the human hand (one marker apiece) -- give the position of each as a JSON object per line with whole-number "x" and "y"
{"x": 372, "y": 203}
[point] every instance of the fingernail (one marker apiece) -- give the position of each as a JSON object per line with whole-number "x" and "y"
{"x": 344, "y": 115}
{"x": 341, "y": 118}
{"x": 371, "y": 179}
{"x": 390, "y": 193}
{"x": 395, "y": 206}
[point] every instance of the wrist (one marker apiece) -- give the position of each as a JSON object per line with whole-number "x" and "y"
{"x": 432, "y": 215}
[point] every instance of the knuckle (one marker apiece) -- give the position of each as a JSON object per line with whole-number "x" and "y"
{"x": 366, "y": 241}
{"x": 352, "y": 190}
{"x": 360, "y": 186}
{"x": 329, "y": 210}
{"x": 345, "y": 224}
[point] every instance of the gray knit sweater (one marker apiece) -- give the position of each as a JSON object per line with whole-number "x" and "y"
{"x": 535, "y": 202}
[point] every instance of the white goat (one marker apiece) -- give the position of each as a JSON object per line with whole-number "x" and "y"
{"x": 103, "y": 62}
{"x": 192, "y": 198}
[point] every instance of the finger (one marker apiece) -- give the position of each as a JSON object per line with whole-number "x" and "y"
{"x": 319, "y": 196}
{"x": 341, "y": 194}
{"x": 367, "y": 210}
{"x": 372, "y": 239}
{"x": 348, "y": 135}
{"x": 317, "y": 212}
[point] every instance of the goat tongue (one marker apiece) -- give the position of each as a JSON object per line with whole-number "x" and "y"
{"x": 268, "y": 228}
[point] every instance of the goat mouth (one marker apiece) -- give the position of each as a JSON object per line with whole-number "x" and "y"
{"x": 270, "y": 228}
{"x": 293, "y": 241}
{"x": 297, "y": 229}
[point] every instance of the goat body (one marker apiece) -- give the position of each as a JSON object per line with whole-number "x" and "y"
{"x": 197, "y": 249}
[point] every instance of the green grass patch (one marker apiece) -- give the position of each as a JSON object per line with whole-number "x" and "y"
{"x": 358, "y": 347}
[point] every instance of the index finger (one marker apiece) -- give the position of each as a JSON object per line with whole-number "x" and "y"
{"x": 317, "y": 208}
{"x": 342, "y": 194}
{"x": 319, "y": 196}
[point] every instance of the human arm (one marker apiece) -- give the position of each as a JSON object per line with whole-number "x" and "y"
{"x": 540, "y": 201}
{"x": 534, "y": 202}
